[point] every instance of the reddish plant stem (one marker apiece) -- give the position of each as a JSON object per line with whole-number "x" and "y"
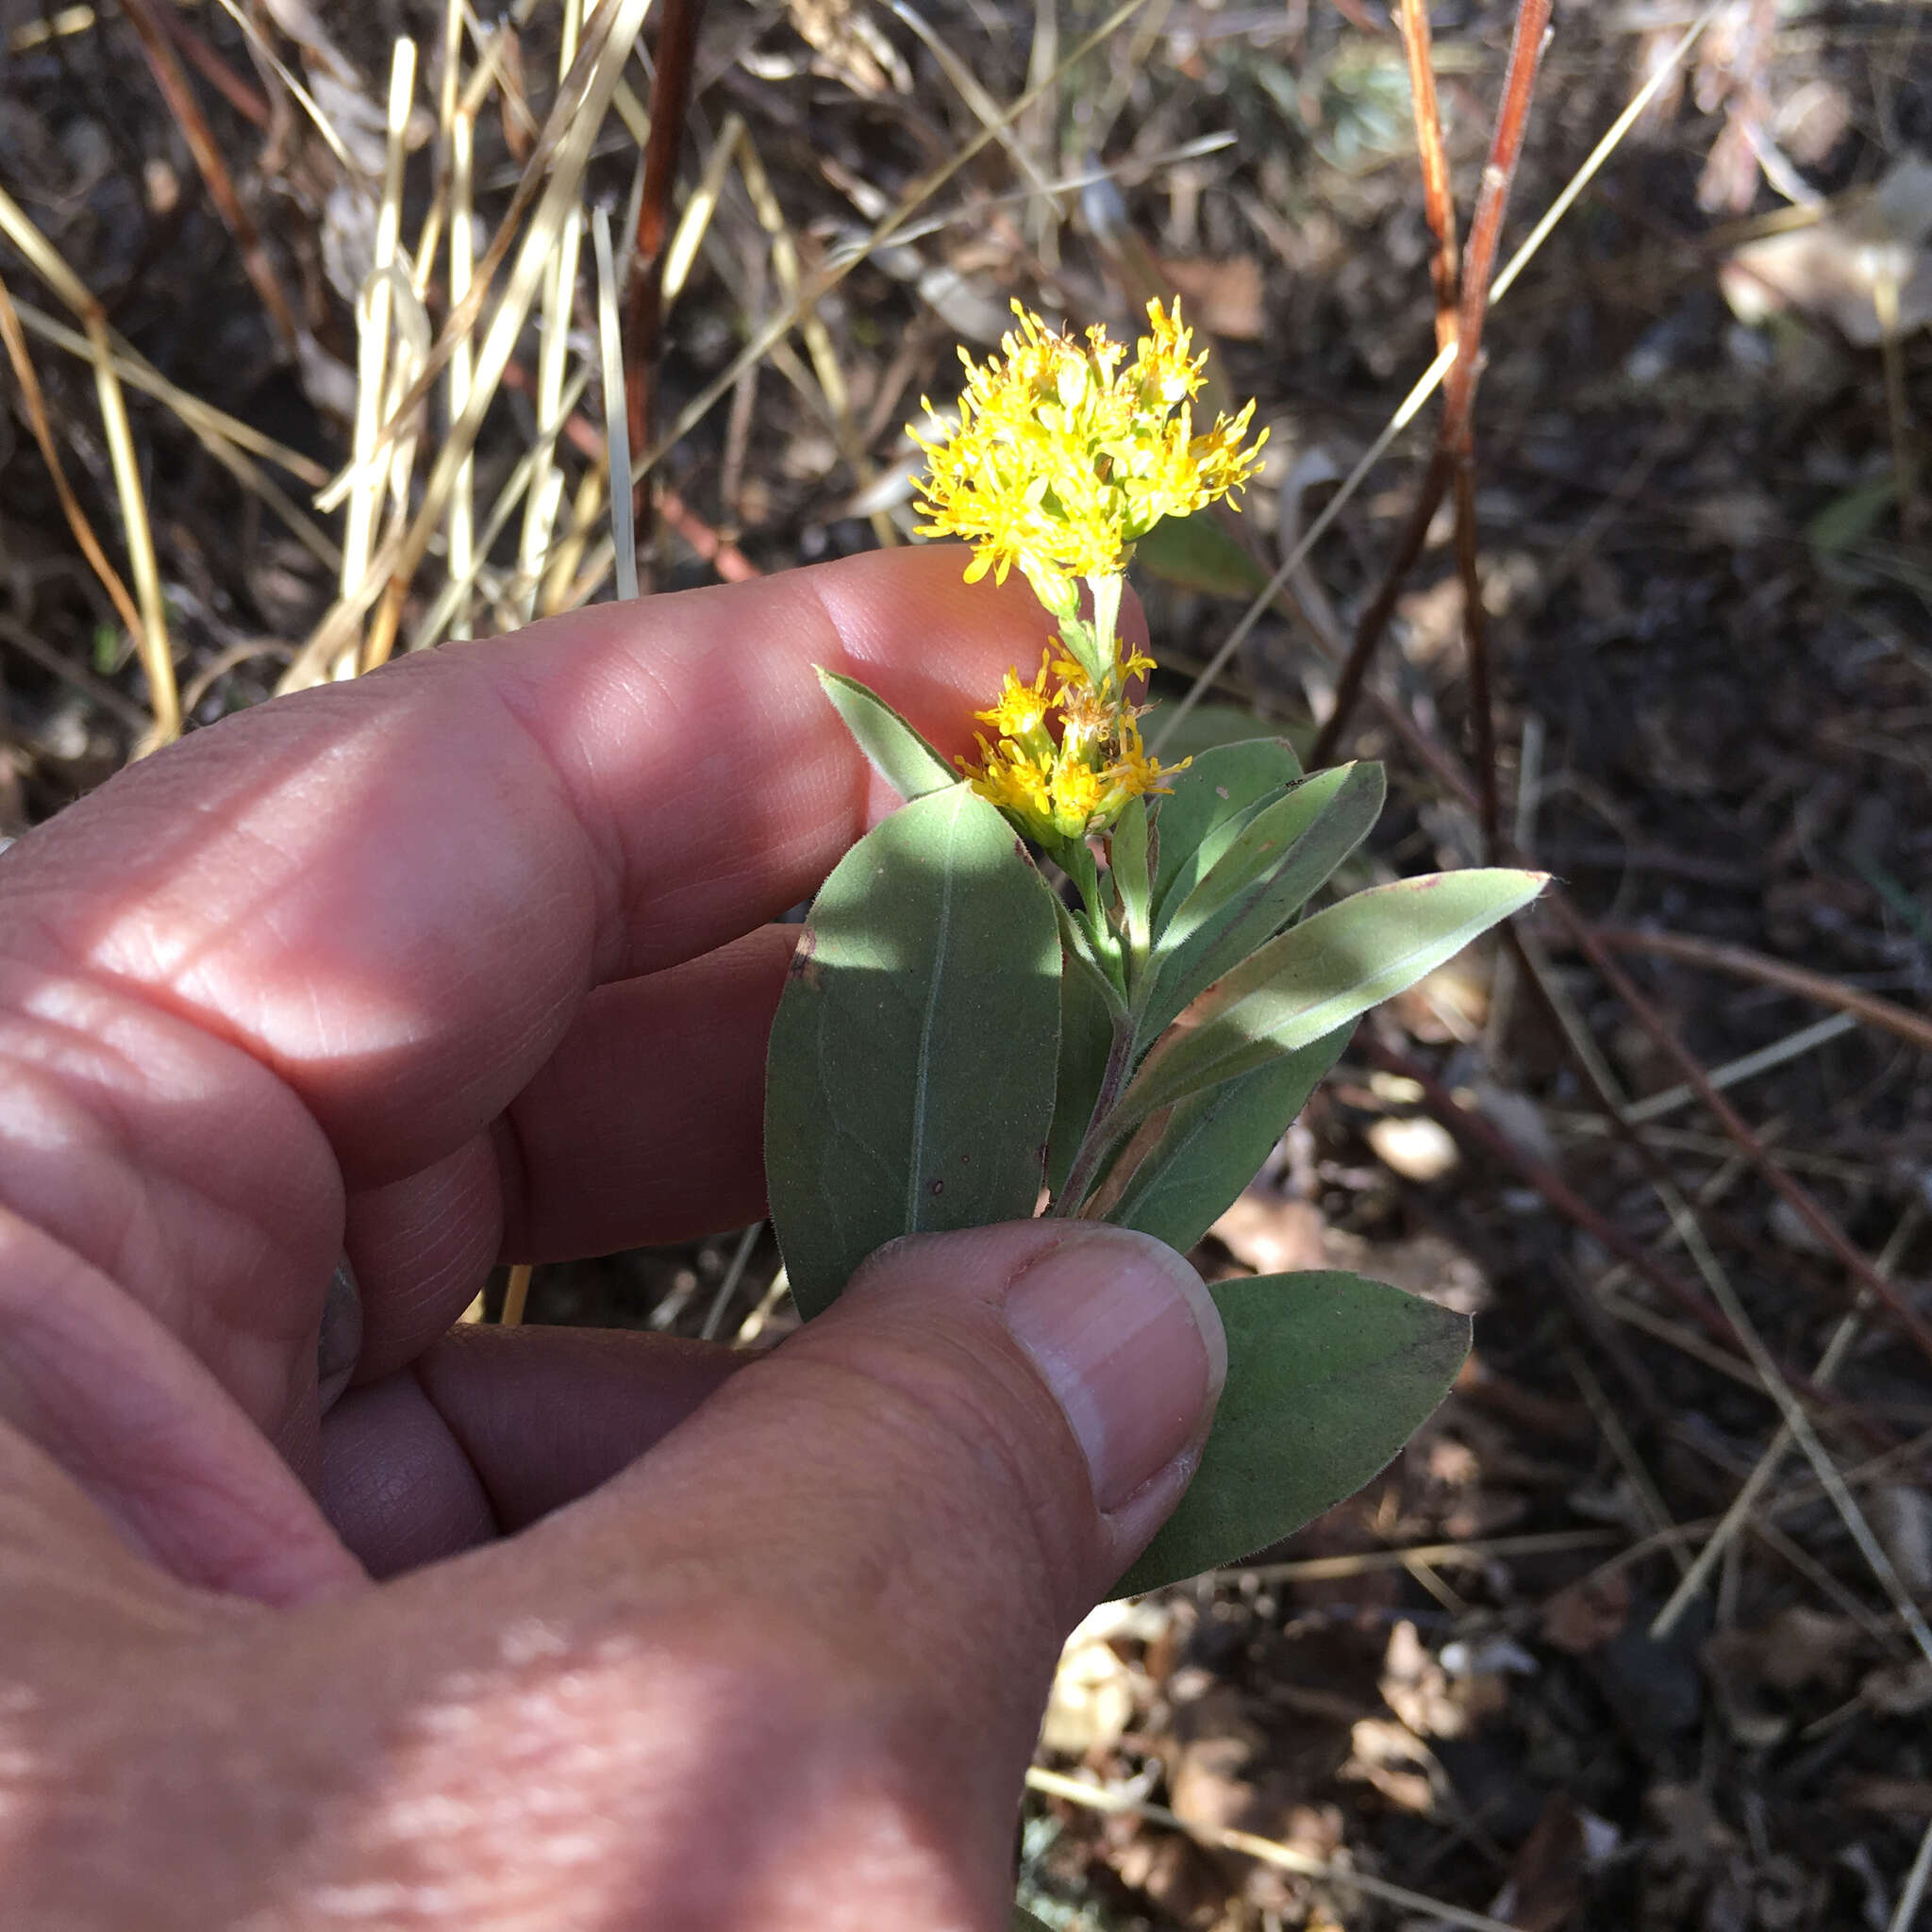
{"x": 1454, "y": 442}
{"x": 157, "y": 45}
{"x": 245, "y": 100}
{"x": 1716, "y": 956}
{"x": 1438, "y": 202}
{"x": 644, "y": 324}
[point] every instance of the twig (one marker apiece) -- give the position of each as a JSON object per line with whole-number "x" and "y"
{"x": 1913, "y": 1892}
{"x": 83, "y": 681}
{"x": 245, "y": 100}
{"x": 516, "y": 1295}
{"x": 374, "y": 303}
{"x": 202, "y": 418}
{"x": 1913, "y": 1029}
{"x": 1799, "y": 1198}
{"x": 1777, "y": 1387}
{"x": 1475, "y": 1131}
{"x": 156, "y": 45}
{"x": 462, "y": 262}
{"x": 677, "y": 39}
{"x": 1438, "y": 203}
{"x": 545, "y": 494}
{"x": 1431, "y": 379}
{"x": 741, "y": 1259}
{"x": 1455, "y": 443}
{"x": 1747, "y": 1066}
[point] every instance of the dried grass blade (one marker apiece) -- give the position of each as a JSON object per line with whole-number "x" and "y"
{"x": 157, "y": 655}
{"x": 179, "y": 97}
{"x": 777, "y": 326}
{"x": 365, "y": 476}
{"x": 15, "y": 338}
{"x": 600, "y": 62}
{"x": 553, "y": 350}
{"x": 616, "y": 429}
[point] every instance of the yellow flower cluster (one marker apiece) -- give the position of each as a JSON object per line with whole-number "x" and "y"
{"x": 1066, "y": 453}
{"x": 1067, "y": 786}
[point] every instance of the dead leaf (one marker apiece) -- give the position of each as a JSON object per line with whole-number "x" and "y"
{"x": 1274, "y": 1234}
{"x": 1225, "y": 297}
{"x": 1589, "y": 1612}
{"x": 1847, "y": 268}
{"x": 1547, "y": 1877}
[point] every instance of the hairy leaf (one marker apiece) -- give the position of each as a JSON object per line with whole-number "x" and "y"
{"x": 897, "y": 752}
{"x": 1209, "y": 803}
{"x": 1328, "y": 1376}
{"x": 1322, "y": 974}
{"x": 1212, "y": 1145}
{"x": 910, "y": 1078}
{"x": 1280, "y": 859}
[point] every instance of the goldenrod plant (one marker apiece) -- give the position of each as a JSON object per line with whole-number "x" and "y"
{"x": 1117, "y": 1013}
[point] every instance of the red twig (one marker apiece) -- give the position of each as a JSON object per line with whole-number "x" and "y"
{"x": 1713, "y": 954}
{"x": 245, "y": 99}
{"x": 644, "y": 324}
{"x": 1454, "y": 441}
{"x": 157, "y": 46}
{"x": 1438, "y": 202}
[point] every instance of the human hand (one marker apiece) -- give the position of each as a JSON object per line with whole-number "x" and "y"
{"x": 460, "y": 962}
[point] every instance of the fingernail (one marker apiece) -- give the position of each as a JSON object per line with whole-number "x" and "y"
{"x": 1130, "y": 1340}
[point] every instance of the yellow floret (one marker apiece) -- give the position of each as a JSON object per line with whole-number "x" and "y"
{"x": 1066, "y": 454}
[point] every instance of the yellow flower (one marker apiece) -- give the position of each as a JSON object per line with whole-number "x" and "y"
{"x": 1072, "y": 787}
{"x": 1066, "y": 454}
{"x": 1021, "y": 707}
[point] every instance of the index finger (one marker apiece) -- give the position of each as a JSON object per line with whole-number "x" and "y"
{"x": 394, "y": 894}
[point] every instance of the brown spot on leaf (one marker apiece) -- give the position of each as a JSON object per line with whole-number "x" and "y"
{"x": 802, "y": 964}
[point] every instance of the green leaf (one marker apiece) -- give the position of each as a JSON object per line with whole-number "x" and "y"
{"x": 910, "y": 1079}
{"x": 1197, "y": 554}
{"x": 1024, "y": 1921}
{"x": 1210, "y": 802}
{"x": 1276, "y": 863}
{"x": 1322, "y": 974}
{"x": 898, "y": 753}
{"x": 1126, "y": 849}
{"x": 1328, "y": 1376}
{"x": 1214, "y": 1143}
{"x": 1088, "y": 1006}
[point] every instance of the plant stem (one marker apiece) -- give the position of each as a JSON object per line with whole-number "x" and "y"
{"x": 1094, "y": 1143}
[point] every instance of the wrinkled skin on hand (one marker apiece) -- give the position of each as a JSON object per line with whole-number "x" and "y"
{"x": 470, "y": 961}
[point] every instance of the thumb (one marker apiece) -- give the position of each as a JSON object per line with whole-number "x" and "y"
{"x": 844, "y": 1582}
